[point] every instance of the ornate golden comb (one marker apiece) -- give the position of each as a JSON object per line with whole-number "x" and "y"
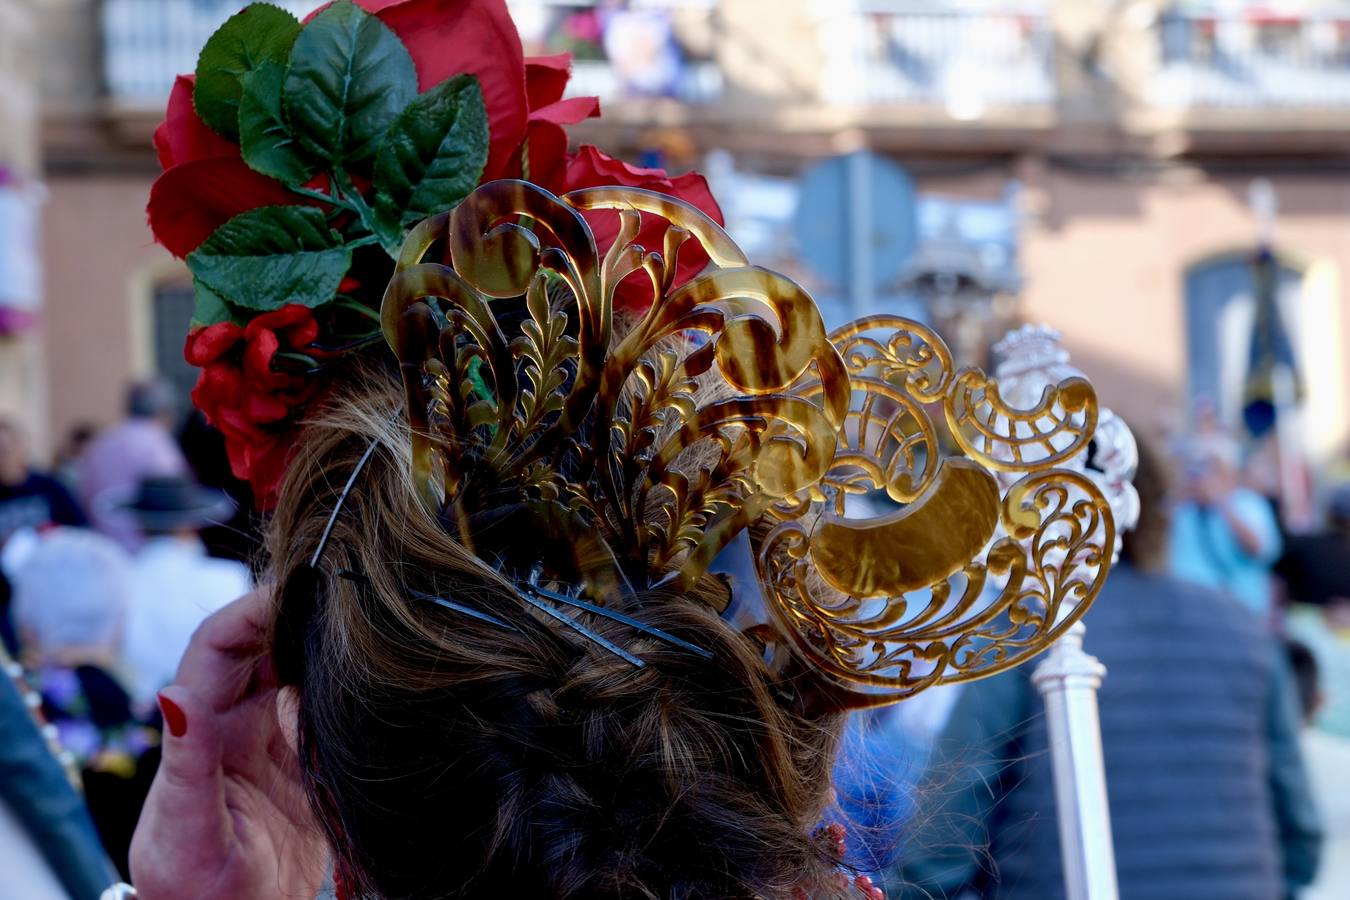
{"x": 570, "y": 450}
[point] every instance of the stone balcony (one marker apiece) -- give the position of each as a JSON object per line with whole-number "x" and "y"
{"x": 816, "y": 76}
{"x": 1253, "y": 78}
{"x": 792, "y": 67}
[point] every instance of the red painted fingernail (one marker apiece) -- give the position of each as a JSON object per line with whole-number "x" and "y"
{"x": 174, "y": 717}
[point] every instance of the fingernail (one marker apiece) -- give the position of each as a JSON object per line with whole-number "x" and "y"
{"x": 174, "y": 717}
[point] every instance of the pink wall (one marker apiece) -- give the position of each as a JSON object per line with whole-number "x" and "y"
{"x": 1105, "y": 263}
{"x": 96, "y": 242}
{"x": 1104, "y": 257}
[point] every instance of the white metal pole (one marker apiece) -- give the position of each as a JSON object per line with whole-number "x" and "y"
{"x": 1068, "y": 679}
{"x": 1295, "y": 503}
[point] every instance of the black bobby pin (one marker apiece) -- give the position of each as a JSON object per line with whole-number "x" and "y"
{"x": 643, "y": 627}
{"x": 337, "y": 507}
{"x": 363, "y": 579}
{"x": 563, "y": 618}
{"x": 466, "y": 610}
{"x": 530, "y": 593}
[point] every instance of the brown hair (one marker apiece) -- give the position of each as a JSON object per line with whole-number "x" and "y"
{"x": 447, "y": 757}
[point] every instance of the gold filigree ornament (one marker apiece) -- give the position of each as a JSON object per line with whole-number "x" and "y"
{"x": 601, "y": 455}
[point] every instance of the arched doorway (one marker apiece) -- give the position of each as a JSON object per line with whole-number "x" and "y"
{"x": 1220, "y": 317}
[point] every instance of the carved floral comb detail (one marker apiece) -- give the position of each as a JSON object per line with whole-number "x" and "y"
{"x": 629, "y": 456}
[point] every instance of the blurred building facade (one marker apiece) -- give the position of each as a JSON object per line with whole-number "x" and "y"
{"x": 22, "y": 368}
{"x": 1129, "y": 131}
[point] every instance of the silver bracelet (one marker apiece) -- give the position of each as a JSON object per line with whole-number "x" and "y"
{"x": 119, "y": 891}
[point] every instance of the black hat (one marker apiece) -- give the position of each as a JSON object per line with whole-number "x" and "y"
{"x": 170, "y": 502}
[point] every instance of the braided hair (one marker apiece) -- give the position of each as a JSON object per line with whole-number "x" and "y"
{"x": 448, "y": 757}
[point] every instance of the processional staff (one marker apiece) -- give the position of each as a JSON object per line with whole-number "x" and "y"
{"x": 1069, "y": 677}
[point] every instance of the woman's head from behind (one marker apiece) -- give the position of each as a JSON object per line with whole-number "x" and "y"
{"x": 450, "y": 756}
{"x": 70, "y": 597}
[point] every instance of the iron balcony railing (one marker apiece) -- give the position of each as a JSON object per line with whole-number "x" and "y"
{"x": 874, "y": 51}
{"x": 1261, "y": 62}
{"x": 639, "y": 49}
{"x": 146, "y": 43}
{"x": 962, "y": 60}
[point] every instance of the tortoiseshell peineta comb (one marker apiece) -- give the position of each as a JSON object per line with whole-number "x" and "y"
{"x": 614, "y": 456}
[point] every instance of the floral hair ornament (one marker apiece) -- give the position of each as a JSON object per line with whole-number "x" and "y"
{"x": 299, "y": 155}
{"x": 310, "y": 164}
{"x": 599, "y": 462}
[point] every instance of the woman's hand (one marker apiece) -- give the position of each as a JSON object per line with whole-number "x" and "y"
{"x": 226, "y": 817}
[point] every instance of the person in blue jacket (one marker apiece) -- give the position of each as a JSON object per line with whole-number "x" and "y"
{"x": 1207, "y": 788}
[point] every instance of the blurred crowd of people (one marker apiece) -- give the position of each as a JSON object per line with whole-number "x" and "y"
{"x": 109, "y": 560}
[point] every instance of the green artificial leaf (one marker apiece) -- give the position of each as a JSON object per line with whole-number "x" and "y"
{"x": 257, "y": 34}
{"x": 388, "y": 231}
{"x": 210, "y": 307}
{"x": 349, "y": 78}
{"x": 266, "y": 140}
{"x": 432, "y": 156}
{"x": 268, "y": 257}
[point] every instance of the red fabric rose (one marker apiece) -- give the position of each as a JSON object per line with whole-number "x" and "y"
{"x": 193, "y": 199}
{"x": 183, "y": 136}
{"x": 589, "y": 167}
{"x": 546, "y": 79}
{"x": 249, "y": 401}
{"x": 449, "y": 37}
{"x": 444, "y": 37}
{"x": 206, "y": 182}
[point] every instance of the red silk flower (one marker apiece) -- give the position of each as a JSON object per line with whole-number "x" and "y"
{"x": 589, "y": 167}
{"x": 243, "y": 396}
{"x": 546, "y": 142}
{"x": 205, "y": 181}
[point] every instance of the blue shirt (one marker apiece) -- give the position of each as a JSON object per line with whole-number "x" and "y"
{"x": 1205, "y": 550}
{"x": 880, "y": 762}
